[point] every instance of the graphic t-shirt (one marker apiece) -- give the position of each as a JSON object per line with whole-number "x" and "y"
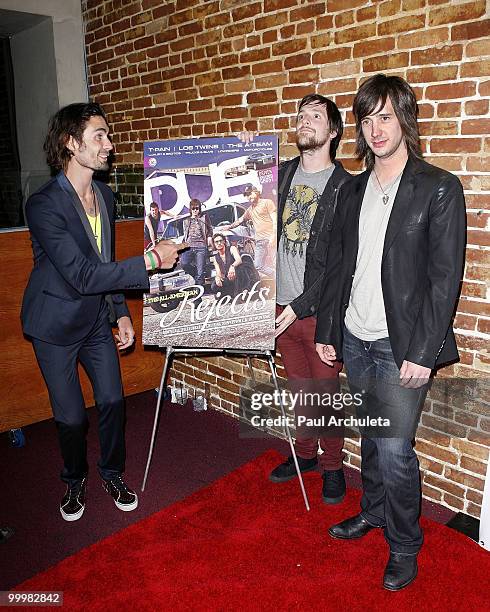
{"x": 196, "y": 237}
{"x": 299, "y": 210}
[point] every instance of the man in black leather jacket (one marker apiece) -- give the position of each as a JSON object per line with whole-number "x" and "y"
{"x": 392, "y": 279}
{"x": 308, "y": 188}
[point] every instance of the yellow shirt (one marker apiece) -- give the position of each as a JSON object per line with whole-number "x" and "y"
{"x": 96, "y": 226}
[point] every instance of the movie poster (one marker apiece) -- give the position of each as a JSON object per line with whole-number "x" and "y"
{"x": 219, "y": 196}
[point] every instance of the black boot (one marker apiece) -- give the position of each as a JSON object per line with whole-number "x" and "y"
{"x": 400, "y": 571}
{"x": 333, "y": 491}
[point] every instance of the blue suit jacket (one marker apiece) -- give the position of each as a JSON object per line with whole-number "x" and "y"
{"x": 70, "y": 278}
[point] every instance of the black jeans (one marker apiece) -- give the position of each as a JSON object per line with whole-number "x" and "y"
{"x": 59, "y": 366}
{"x": 390, "y": 470}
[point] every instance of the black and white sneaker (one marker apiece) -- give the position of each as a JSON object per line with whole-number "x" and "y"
{"x": 73, "y": 503}
{"x": 124, "y": 498}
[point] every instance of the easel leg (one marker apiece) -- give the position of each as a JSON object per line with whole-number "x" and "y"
{"x": 166, "y": 367}
{"x": 272, "y": 366}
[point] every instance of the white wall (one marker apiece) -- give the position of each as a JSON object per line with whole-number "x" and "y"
{"x": 36, "y": 99}
{"x": 68, "y": 43}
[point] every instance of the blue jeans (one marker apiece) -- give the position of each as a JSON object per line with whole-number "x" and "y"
{"x": 194, "y": 263}
{"x": 390, "y": 470}
{"x": 262, "y": 259}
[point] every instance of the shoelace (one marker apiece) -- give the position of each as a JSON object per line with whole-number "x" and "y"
{"x": 119, "y": 483}
{"x": 74, "y": 491}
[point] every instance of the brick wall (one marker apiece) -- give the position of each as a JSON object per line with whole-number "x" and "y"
{"x": 185, "y": 68}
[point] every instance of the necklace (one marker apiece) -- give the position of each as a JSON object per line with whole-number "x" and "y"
{"x": 386, "y": 192}
{"x": 94, "y": 203}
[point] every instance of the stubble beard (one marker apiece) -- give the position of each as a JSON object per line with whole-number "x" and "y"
{"x": 309, "y": 142}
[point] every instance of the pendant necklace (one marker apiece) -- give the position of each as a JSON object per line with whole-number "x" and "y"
{"x": 94, "y": 202}
{"x": 386, "y": 192}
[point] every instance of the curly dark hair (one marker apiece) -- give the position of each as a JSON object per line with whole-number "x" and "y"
{"x": 372, "y": 94}
{"x": 69, "y": 121}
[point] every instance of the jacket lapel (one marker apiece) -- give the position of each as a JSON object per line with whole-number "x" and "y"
{"x": 401, "y": 205}
{"x": 68, "y": 189}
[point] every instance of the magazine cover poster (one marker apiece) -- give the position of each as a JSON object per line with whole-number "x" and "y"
{"x": 219, "y": 196}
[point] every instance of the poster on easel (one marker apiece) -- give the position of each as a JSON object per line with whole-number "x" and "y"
{"x": 218, "y": 195}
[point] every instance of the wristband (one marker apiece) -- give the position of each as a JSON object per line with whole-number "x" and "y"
{"x": 152, "y": 260}
{"x": 158, "y": 258}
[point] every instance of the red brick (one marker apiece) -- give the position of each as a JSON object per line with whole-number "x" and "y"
{"x": 475, "y": 69}
{"x": 372, "y": 47}
{"x": 328, "y": 56}
{"x": 357, "y": 33}
{"x": 236, "y": 72}
{"x": 404, "y": 24}
{"x": 477, "y": 47}
{"x": 448, "y": 53}
{"x": 259, "y": 97}
{"x": 475, "y": 126}
{"x": 296, "y": 61}
{"x": 215, "y": 21}
{"x": 274, "y": 5}
{"x": 236, "y": 112}
{"x": 267, "y": 67}
{"x": 306, "y": 12}
{"x": 463, "y": 89}
{"x": 423, "y": 39}
{"x": 341, "y": 5}
{"x": 431, "y": 450}
{"x": 288, "y": 46}
{"x": 413, "y": 5}
{"x": 185, "y": 83}
{"x": 181, "y": 44}
{"x": 270, "y": 21}
{"x": 255, "y": 55}
{"x": 337, "y": 86}
{"x": 478, "y": 164}
{"x": 385, "y": 62}
{"x": 449, "y": 109}
{"x": 264, "y": 110}
{"x": 366, "y": 13}
{"x": 459, "y": 12}
{"x": 324, "y": 23}
{"x": 305, "y": 27}
{"x": 246, "y": 11}
{"x": 427, "y": 75}
{"x": 343, "y": 19}
{"x": 269, "y": 37}
{"x": 310, "y": 75}
{"x": 238, "y": 29}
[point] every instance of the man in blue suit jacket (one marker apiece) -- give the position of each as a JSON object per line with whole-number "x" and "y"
{"x": 71, "y": 294}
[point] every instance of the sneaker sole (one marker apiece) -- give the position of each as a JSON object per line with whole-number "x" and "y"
{"x": 295, "y": 475}
{"x": 72, "y": 517}
{"x": 333, "y": 500}
{"x": 127, "y": 507}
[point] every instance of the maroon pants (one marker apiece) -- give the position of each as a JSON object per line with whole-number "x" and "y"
{"x": 300, "y": 359}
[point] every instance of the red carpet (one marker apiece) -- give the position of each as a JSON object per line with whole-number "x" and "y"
{"x": 244, "y": 543}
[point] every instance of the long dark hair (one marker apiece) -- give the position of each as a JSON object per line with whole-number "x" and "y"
{"x": 334, "y": 118}
{"x": 69, "y": 121}
{"x": 372, "y": 94}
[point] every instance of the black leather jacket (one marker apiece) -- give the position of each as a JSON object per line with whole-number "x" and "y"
{"x": 421, "y": 267}
{"x": 306, "y": 304}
